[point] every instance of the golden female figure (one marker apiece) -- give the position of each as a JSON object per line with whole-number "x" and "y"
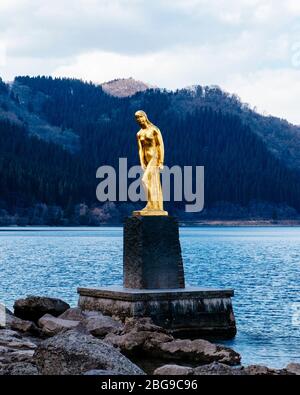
{"x": 151, "y": 153}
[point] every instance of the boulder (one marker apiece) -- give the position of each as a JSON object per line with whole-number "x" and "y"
{"x": 11, "y": 356}
{"x": 260, "y": 370}
{"x": 100, "y": 325}
{"x": 74, "y": 352}
{"x": 51, "y": 326}
{"x": 14, "y": 340}
{"x": 197, "y": 351}
{"x": 20, "y": 325}
{"x": 33, "y": 308}
{"x": 138, "y": 342}
{"x": 139, "y": 335}
{"x": 144, "y": 324}
{"x": 217, "y": 369}
{"x": 144, "y": 338}
{"x": 73, "y": 314}
{"x": 99, "y": 372}
{"x": 293, "y": 368}
{"x": 173, "y": 370}
{"x": 19, "y": 369}
{"x": 94, "y": 322}
{"x": 14, "y": 349}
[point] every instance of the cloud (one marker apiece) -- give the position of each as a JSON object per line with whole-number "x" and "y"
{"x": 170, "y": 43}
{"x": 279, "y": 92}
{"x": 180, "y": 65}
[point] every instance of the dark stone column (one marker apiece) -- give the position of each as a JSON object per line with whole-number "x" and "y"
{"x": 152, "y": 253}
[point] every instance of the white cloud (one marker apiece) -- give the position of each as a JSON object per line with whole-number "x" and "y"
{"x": 180, "y": 65}
{"x": 279, "y": 92}
{"x": 242, "y": 46}
{"x": 3, "y": 58}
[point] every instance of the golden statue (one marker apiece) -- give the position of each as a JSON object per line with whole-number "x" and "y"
{"x": 151, "y": 153}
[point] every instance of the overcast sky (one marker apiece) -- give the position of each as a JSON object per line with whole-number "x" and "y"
{"x": 247, "y": 47}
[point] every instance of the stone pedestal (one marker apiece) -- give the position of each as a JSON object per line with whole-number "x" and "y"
{"x": 154, "y": 285}
{"x": 152, "y": 253}
{"x": 189, "y": 312}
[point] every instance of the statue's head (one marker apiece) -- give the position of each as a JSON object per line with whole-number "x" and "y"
{"x": 142, "y": 119}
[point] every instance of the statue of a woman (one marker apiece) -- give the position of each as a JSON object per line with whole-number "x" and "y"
{"x": 151, "y": 153}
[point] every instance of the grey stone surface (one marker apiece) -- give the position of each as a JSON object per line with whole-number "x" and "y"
{"x": 260, "y": 370}
{"x": 19, "y": 369}
{"x": 173, "y": 370}
{"x": 74, "y": 352}
{"x": 188, "y": 312}
{"x": 220, "y": 369}
{"x": 72, "y": 314}
{"x": 293, "y": 368}
{"x": 16, "y": 353}
{"x": 100, "y": 325}
{"x": 142, "y": 337}
{"x": 101, "y": 372}
{"x": 152, "y": 253}
{"x": 14, "y": 340}
{"x": 33, "y": 308}
{"x": 51, "y": 326}
{"x": 20, "y": 325}
{"x": 198, "y": 351}
{"x": 217, "y": 369}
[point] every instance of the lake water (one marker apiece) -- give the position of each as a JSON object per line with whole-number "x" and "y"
{"x": 262, "y": 265}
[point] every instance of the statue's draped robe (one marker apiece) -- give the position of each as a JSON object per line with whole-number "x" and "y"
{"x": 152, "y": 185}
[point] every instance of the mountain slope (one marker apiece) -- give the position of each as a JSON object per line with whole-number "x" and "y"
{"x": 281, "y": 137}
{"x": 244, "y": 177}
{"x": 20, "y": 105}
{"x": 124, "y": 87}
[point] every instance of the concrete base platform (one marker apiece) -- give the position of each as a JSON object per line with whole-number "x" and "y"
{"x": 186, "y": 312}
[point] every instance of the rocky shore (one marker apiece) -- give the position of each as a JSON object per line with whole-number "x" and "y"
{"x": 45, "y": 336}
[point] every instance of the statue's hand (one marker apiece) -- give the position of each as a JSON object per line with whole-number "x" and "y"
{"x": 160, "y": 166}
{"x": 143, "y": 166}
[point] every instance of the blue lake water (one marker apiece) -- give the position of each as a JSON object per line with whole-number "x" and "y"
{"x": 262, "y": 264}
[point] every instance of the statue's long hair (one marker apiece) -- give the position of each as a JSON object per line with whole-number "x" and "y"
{"x": 141, "y": 112}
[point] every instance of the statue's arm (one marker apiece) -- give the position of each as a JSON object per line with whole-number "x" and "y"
{"x": 141, "y": 152}
{"x": 160, "y": 148}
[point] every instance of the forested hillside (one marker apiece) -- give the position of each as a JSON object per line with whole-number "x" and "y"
{"x": 46, "y": 181}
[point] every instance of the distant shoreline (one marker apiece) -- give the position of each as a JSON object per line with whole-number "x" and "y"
{"x": 203, "y": 223}
{"x": 237, "y": 223}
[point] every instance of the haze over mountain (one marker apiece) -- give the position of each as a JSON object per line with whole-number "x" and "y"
{"x": 55, "y": 133}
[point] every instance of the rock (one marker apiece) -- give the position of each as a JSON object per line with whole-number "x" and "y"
{"x": 293, "y": 368}
{"x": 19, "y": 369}
{"x": 51, "y": 326}
{"x": 198, "y": 351}
{"x": 72, "y": 314}
{"x": 16, "y": 352}
{"x": 217, "y": 369}
{"x": 137, "y": 342}
{"x": 100, "y": 325}
{"x": 99, "y": 372}
{"x": 20, "y": 325}
{"x": 18, "y": 356}
{"x": 142, "y": 325}
{"x": 259, "y": 370}
{"x": 139, "y": 335}
{"x": 33, "y": 308}
{"x": 173, "y": 370}
{"x": 73, "y": 352}
{"x": 142, "y": 336}
{"x": 94, "y": 322}
{"x": 14, "y": 340}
